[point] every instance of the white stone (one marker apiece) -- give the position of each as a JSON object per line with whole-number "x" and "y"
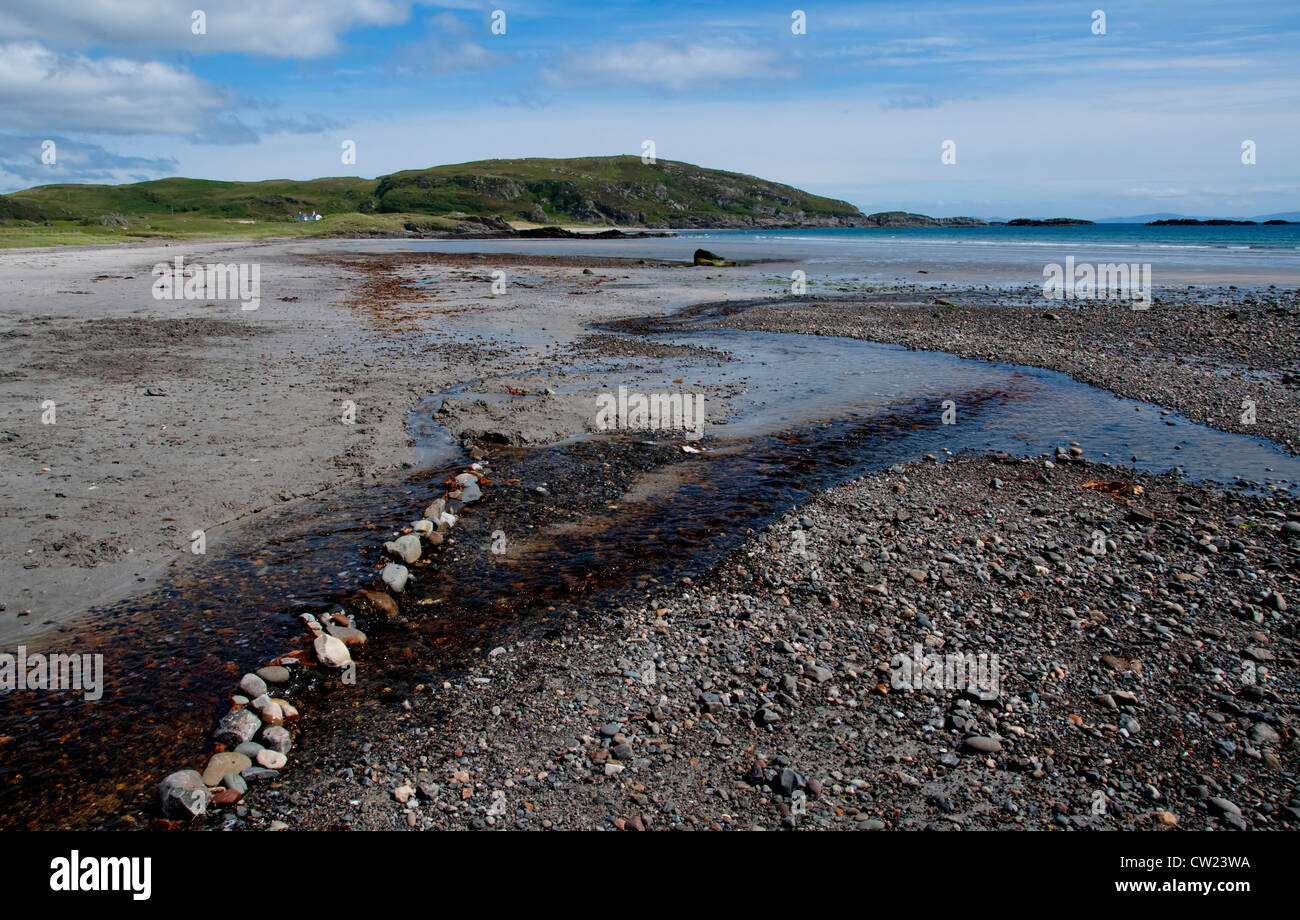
{"x": 406, "y": 548}
{"x": 272, "y": 760}
{"x": 395, "y": 576}
{"x": 331, "y": 652}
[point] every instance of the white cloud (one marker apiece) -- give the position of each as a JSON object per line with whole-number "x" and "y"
{"x": 74, "y": 161}
{"x": 44, "y": 91}
{"x": 275, "y": 28}
{"x": 663, "y": 65}
{"x": 447, "y": 47}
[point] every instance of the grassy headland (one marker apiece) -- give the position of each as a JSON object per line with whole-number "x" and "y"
{"x": 592, "y": 191}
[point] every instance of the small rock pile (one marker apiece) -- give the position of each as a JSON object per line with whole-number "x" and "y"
{"x": 253, "y": 742}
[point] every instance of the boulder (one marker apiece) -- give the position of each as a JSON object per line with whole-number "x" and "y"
{"x": 406, "y": 548}
{"x": 469, "y": 489}
{"x": 223, "y": 763}
{"x": 331, "y": 653}
{"x": 395, "y": 576}
{"x": 277, "y": 739}
{"x": 236, "y": 727}
{"x": 377, "y": 601}
{"x": 182, "y": 795}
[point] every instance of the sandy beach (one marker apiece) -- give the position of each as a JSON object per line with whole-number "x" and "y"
{"x": 178, "y": 416}
{"x": 105, "y": 499}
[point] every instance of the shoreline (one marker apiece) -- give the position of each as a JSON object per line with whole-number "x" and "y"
{"x": 760, "y": 695}
{"x": 411, "y": 337}
{"x": 1201, "y": 360}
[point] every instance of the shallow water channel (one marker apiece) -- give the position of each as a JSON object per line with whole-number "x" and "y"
{"x": 814, "y": 412}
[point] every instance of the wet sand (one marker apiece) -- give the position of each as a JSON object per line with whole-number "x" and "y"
{"x": 246, "y": 441}
{"x": 105, "y": 500}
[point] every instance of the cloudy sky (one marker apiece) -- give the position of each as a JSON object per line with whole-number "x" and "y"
{"x": 1047, "y": 117}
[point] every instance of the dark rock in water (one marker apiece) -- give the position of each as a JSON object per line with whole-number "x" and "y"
{"x": 378, "y": 601}
{"x": 182, "y": 795}
{"x": 704, "y": 257}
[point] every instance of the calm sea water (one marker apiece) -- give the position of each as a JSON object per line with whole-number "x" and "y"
{"x": 1284, "y": 237}
{"x": 996, "y": 255}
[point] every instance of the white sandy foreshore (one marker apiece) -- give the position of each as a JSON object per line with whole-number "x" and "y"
{"x": 108, "y": 497}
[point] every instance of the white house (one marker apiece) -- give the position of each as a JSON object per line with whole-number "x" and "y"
{"x": 307, "y": 215}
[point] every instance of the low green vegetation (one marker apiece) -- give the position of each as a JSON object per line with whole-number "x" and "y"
{"x": 595, "y": 191}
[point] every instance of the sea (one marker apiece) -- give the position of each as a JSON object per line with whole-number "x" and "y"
{"x": 1256, "y": 255}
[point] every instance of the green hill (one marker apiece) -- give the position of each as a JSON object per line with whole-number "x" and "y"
{"x": 608, "y": 190}
{"x": 586, "y": 190}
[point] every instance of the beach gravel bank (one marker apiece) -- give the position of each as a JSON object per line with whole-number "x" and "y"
{"x": 1144, "y": 664}
{"x": 1202, "y": 353}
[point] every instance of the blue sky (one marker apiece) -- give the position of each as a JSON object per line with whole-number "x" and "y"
{"x": 1047, "y": 117}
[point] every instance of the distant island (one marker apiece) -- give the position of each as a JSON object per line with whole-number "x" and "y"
{"x": 1050, "y": 222}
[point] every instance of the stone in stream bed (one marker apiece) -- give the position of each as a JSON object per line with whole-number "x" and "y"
{"x": 395, "y": 576}
{"x": 423, "y": 527}
{"x": 406, "y": 548}
{"x": 236, "y": 727}
{"x": 331, "y": 652}
{"x": 435, "y": 510}
{"x": 274, "y": 674}
{"x": 277, "y": 738}
{"x": 223, "y": 763}
{"x": 183, "y": 795}
{"x": 348, "y": 635}
{"x": 252, "y": 685}
{"x": 1263, "y": 733}
{"x": 377, "y": 601}
{"x": 258, "y": 774}
{"x": 469, "y": 489}
{"x": 271, "y": 713}
{"x": 272, "y": 760}
{"x": 226, "y": 796}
